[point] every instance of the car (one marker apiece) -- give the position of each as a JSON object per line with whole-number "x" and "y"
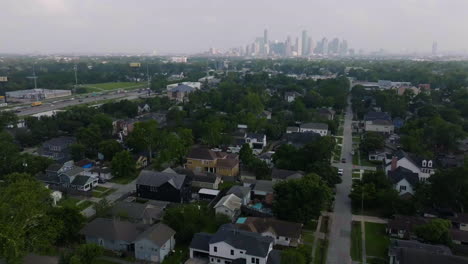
{"x": 80, "y": 100}
{"x": 340, "y": 172}
{"x": 343, "y": 160}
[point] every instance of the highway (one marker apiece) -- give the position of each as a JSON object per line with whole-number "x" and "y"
{"x": 58, "y": 103}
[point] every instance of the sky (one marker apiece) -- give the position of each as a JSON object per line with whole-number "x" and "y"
{"x": 190, "y": 26}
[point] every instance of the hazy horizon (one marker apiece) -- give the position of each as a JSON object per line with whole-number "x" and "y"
{"x": 189, "y": 26}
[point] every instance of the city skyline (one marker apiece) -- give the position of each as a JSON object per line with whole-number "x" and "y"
{"x": 55, "y": 26}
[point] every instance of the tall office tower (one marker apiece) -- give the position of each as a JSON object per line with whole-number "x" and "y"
{"x": 304, "y": 43}
{"x": 265, "y": 36}
{"x": 288, "y": 47}
{"x": 297, "y": 47}
{"x": 334, "y": 46}
{"x": 343, "y": 48}
{"x": 310, "y": 46}
{"x": 247, "y": 50}
{"x": 434, "y": 48}
{"x": 252, "y": 49}
{"x": 324, "y": 46}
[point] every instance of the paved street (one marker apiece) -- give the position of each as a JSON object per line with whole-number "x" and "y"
{"x": 49, "y": 106}
{"x": 340, "y": 230}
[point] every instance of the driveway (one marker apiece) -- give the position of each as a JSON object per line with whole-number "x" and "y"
{"x": 340, "y": 230}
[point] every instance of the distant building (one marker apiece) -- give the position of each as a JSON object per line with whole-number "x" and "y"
{"x": 57, "y": 149}
{"x": 180, "y": 93}
{"x": 319, "y": 128}
{"x": 204, "y": 160}
{"x": 179, "y": 59}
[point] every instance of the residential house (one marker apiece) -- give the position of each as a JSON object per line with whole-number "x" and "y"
{"x": 403, "y": 226}
{"x": 154, "y": 244}
{"x": 459, "y": 237}
{"x": 299, "y": 140}
{"x": 257, "y": 142}
{"x": 145, "y": 108}
{"x": 84, "y": 183}
{"x": 281, "y": 175}
{"x": 112, "y": 234}
{"x": 102, "y": 173}
{"x": 265, "y": 114}
{"x": 163, "y": 186}
{"x": 194, "y": 85}
{"x": 403, "y": 180}
{"x": 209, "y": 181}
{"x": 292, "y": 129}
{"x": 377, "y": 155}
{"x": 180, "y": 93}
{"x": 263, "y": 188}
{"x": 229, "y": 205}
{"x": 291, "y": 96}
{"x": 267, "y": 157}
{"x": 231, "y": 245}
{"x": 319, "y": 128}
{"x": 207, "y": 194}
{"x": 147, "y": 213}
{"x": 68, "y": 176}
{"x": 284, "y": 233}
{"x": 378, "y": 122}
{"x": 410, "y": 252}
{"x": 204, "y": 160}
{"x": 412, "y": 89}
{"x": 86, "y": 164}
{"x": 57, "y": 149}
{"x": 326, "y": 113}
{"x": 242, "y": 192}
{"x": 423, "y": 167}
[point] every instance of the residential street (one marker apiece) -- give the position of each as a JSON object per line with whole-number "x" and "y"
{"x": 340, "y": 230}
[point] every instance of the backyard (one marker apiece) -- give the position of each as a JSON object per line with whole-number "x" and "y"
{"x": 377, "y": 243}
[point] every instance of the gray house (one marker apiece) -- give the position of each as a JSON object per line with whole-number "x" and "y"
{"x": 155, "y": 243}
{"x": 112, "y": 234}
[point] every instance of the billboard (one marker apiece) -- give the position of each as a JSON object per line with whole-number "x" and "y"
{"x": 135, "y": 64}
{"x": 3, "y": 79}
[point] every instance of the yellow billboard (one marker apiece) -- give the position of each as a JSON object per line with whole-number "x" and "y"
{"x": 135, "y": 64}
{"x": 3, "y": 79}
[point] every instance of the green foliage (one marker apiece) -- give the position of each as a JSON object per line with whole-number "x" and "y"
{"x": 145, "y": 136}
{"x": 301, "y": 199}
{"x": 77, "y": 151}
{"x": 292, "y": 256}
{"x": 102, "y": 207}
{"x": 123, "y": 165}
{"x": 188, "y": 219}
{"x": 437, "y": 231}
{"x": 109, "y": 148}
{"x": 371, "y": 141}
{"x": 87, "y": 253}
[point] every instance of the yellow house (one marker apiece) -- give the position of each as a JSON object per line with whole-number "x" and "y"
{"x": 203, "y": 160}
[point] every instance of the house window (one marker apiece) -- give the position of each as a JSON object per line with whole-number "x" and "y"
{"x": 286, "y": 238}
{"x": 402, "y": 188}
{"x": 212, "y": 259}
{"x": 232, "y": 252}
{"x": 429, "y": 164}
{"x": 277, "y": 237}
{"x": 424, "y": 163}
{"x": 257, "y": 261}
{"x": 253, "y": 260}
{"x": 218, "y": 260}
{"x": 215, "y": 249}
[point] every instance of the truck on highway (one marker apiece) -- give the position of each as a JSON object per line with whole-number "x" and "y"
{"x": 36, "y": 104}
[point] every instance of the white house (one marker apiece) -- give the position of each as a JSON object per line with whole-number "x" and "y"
{"x": 256, "y": 141}
{"x": 423, "y": 167}
{"x": 242, "y": 192}
{"x": 381, "y": 126}
{"x": 403, "y": 180}
{"x": 231, "y": 244}
{"x": 228, "y": 205}
{"x": 155, "y": 243}
{"x": 102, "y": 173}
{"x": 291, "y": 96}
{"x": 319, "y": 128}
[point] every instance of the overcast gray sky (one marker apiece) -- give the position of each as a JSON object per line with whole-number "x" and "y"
{"x": 196, "y": 25}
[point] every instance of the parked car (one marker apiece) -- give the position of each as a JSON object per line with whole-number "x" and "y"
{"x": 340, "y": 172}
{"x": 343, "y": 160}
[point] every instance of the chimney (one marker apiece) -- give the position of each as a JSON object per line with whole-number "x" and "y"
{"x": 394, "y": 163}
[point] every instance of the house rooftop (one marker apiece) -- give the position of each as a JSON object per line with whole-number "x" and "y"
{"x": 227, "y": 163}
{"x": 202, "y": 154}
{"x": 272, "y": 225}
{"x": 281, "y": 174}
{"x": 155, "y": 178}
{"x": 230, "y": 201}
{"x": 159, "y": 234}
{"x": 111, "y": 229}
{"x": 265, "y": 186}
{"x": 322, "y": 126}
{"x": 401, "y": 173}
{"x": 239, "y": 191}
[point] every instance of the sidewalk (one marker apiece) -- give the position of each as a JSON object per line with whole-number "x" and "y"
{"x": 372, "y": 219}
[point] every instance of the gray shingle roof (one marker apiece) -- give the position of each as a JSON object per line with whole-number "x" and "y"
{"x": 239, "y": 191}
{"x": 182, "y": 88}
{"x": 230, "y": 201}
{"x": 159, "y": 234}
{"x": 401, "y": 173}
{"x": 201, "y": 241}
{"x": 265, "y": 186}
{"x": 254, "y": 244}
{"x": 155, "y": 178}
{"x": 202, "y": 154}
{"x": 80, "y": 180}
{"x": 323, "y": 126}
{"x": 285, "y": 174}
{"x": 111, "y": 229}
{"x": 279, "y": 227}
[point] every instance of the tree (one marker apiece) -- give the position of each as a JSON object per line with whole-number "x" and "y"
{"x": 109, "y": 148}
{"x": 8, "y": 153}
{"x": 102, "y": 207}
{"x": 104, "y": 122}
{"x": 246, "y": 154}
{"x": 371, "y": 141}
{"x": 25, "y": 225}
{"x": 292, "y": 256}
{"x": 437, "y": 231}
{"x": 87, "y": 253}
{"x": 72, "y": 222}
{"x": 145, "y": 136}
{"x": 90, "y": 137}
{"x": 301, "y": 199}
{"x": 77, "y": 151}
{"x": 123, "y": 165}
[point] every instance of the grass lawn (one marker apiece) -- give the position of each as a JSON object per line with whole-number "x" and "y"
{"x": 84, "y": 205}
{"x": 356, "y": 175}
{"x": 321, "y": 252}
{"x": 312, "y": 225}
{"x": 377, "y": 241}
{"x": 308, "y": 237}
{"x": 101, "y": 189}
{"x": 68, "y": 202}
{"x": 365, "y": 162}
{"x": 324, "y": 224}
{"x": 105, "y": 192}
{"x": 124, "y": 180}
{"x": 180, "y": 255}
{"x": 356, "y": 241}
{"x": 355, "y": 159}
